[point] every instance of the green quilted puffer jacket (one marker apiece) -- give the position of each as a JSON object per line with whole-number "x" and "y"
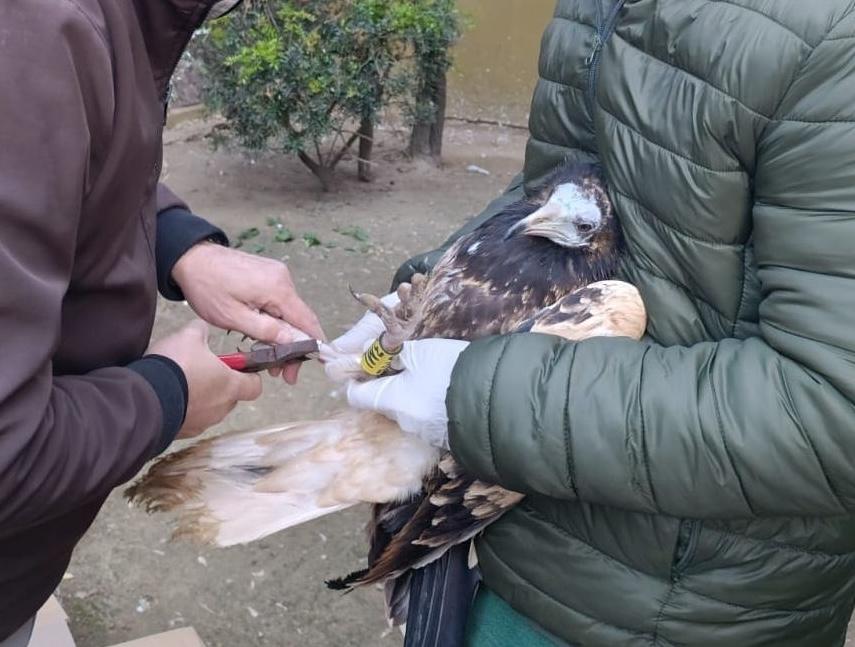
{"x": 697, "y": 488}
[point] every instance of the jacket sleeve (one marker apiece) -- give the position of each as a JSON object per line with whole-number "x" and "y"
{"x": 63, "y": 440}
{"x": 423, "y": 263}
{"x": 762, "y": 426}
{"x": 178, "y": 229}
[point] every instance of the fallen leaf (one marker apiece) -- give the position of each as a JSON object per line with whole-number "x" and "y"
{"x": 356, "y": 232}
{"x": 311, "y": 240}
{"x": 284, "y": 235}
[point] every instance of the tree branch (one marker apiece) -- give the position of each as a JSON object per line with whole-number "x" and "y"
{"x": 343, "y": 151}
{"x": 314, "y": 167}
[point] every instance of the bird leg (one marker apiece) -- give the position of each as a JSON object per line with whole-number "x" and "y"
{"x": 387, "y": 315}
{"x": 401, "y": 321}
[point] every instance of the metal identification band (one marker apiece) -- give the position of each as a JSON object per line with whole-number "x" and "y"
{"x": 377, "y": 360}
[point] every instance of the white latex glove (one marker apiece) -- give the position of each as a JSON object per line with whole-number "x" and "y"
{"x": 415, "y": 398}
{"x": 367, "y": 329}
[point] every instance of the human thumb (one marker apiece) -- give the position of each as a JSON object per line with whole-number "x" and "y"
{"x": 249, "y": 386}
{"x": 199, "y": 329}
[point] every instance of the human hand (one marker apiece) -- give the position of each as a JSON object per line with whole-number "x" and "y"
{"x": 251, "y": 294}
{"x": 213, "y": 388}
{"x": 415, "y": 398}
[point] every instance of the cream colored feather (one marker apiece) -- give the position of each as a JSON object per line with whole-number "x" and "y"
{"x": 239, "y": 487}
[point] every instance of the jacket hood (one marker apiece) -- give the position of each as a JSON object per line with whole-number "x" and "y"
{"x": 222, "y": 7}
{"x": 167, "y": 27}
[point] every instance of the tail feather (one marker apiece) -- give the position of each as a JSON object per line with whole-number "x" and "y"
{"x": 441, "y": 595}
{"x": 346, "y": 583}
{"x": 396, "y": 593}
{"x": 239, "y": 487}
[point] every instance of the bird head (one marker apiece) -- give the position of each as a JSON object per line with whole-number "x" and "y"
{"x": 572, "y": 210}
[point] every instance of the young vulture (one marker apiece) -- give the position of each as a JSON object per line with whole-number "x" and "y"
{"x": 543, "y": 265}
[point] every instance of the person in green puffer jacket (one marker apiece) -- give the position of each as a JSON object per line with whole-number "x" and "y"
{"x": 696, "y": 488}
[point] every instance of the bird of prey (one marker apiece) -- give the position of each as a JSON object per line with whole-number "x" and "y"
{"x": 544, "y": 265}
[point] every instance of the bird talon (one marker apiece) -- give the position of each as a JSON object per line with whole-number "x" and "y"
{"x": 396, "y": 321}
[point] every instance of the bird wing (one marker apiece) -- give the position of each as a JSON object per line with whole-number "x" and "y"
{"x": 455, "y": 509}
{"x": 238, "y": 487}
{"x": 602, "y": 309}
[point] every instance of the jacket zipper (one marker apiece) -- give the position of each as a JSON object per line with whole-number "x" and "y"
{"x": 605, "y": 29}
{"x": 687, "y": 542}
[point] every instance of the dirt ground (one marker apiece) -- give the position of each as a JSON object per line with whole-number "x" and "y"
{"x": 127, "y": 579}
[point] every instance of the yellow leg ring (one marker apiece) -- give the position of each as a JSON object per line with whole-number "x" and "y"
{"x": 377, "y": 360}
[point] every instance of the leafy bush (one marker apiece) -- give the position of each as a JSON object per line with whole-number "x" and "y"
{"x": 312, "y": 76}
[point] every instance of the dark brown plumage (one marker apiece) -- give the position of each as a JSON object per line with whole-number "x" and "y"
{"x": 487, "y": 283}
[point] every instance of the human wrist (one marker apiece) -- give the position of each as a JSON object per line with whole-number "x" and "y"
{"x": 183, "y": 269}
{"x": 178, "y": 232}
{"x": 169, "y": 383}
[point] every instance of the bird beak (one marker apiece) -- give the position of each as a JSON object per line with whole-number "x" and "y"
{"x": 538, "y": 223}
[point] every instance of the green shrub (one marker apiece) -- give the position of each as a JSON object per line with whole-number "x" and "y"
{"x": 311, "y": 77}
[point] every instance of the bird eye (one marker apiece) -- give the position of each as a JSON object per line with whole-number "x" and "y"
{"x": 585, "y": 227}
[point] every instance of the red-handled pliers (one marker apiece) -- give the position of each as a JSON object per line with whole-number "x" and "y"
{"x": 266, "y": 356}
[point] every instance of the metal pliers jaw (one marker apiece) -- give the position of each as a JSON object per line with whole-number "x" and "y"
{"x": 262, "y": 357}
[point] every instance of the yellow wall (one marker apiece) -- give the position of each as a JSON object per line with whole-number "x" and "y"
{"x": 496, "y": 60}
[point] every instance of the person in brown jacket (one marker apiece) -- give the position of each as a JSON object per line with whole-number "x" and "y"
{"x": 86, "y": 237}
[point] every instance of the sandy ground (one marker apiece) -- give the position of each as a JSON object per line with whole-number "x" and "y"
{"x": 127, "y": 579}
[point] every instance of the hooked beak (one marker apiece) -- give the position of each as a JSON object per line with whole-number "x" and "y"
{"x": 569, "y": 218}
{"x": 537, "y": 223}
